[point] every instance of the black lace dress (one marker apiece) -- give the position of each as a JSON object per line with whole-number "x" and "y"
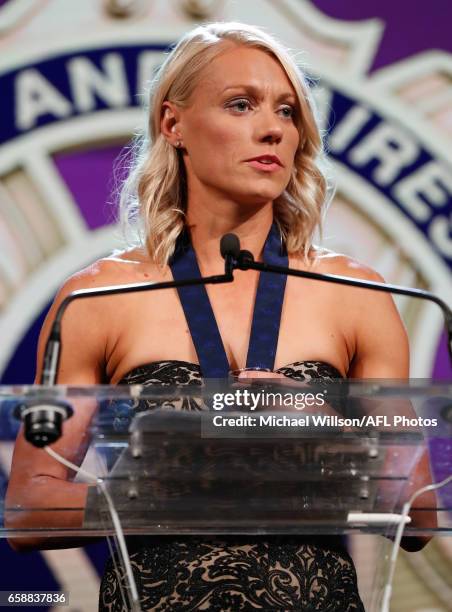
{"x": 234, "y": 573}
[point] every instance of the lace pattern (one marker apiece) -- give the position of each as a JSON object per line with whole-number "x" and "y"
{"x": 234, "y": 573}
{"x": 222, "y": 575}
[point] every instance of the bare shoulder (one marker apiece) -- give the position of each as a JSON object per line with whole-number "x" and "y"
{"x": 326, "y": 261}
{"x": 121, "y": 267}
{"x": 381, "y": 343}
{"x": 361, "y": 301}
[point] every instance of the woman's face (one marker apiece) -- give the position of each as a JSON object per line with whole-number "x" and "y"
{"x": 244, "y": 107}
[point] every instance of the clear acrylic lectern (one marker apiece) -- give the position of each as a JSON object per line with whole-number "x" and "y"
{"x": 265, "y": 457}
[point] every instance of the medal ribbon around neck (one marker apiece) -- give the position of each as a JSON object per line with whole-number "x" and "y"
{"x": 201, "y": 319}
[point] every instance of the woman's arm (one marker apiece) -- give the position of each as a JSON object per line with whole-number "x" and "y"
{"x": 37, "y": 480}
{"x": 382, "y": 351}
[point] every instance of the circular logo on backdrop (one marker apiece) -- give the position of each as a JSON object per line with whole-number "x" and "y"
{"x": 71, "y": 99}
{"x": 68, "y": 109}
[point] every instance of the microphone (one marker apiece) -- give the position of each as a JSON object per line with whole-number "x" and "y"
{"x": 245, "y": 261}
{"x": 229, "y": 249}
{"x": 43, "y": 420}
{"x": 229, "y": 246}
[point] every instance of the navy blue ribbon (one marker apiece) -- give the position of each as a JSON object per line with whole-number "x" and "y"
{"x": 201, "y": 319}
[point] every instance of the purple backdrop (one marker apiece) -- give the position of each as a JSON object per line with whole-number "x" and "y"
{"x": 409, "y": 28}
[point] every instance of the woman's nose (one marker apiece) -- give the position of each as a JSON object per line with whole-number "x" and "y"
{"x": 272, "y": 135}
{"x": 269, "y": 128}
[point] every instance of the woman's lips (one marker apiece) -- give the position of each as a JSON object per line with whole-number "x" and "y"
{"x": 272, "y": 167}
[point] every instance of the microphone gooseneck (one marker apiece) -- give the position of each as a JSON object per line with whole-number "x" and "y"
{"x": 42, "y": 428}
{"x": 245, "y": 261}
{"x": 43, "y": 421}
{"x": 53, "y": 346}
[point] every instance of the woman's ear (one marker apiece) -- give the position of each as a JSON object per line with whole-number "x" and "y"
{"x": 170, "y": 124}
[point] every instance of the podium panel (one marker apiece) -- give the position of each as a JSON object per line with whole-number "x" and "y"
{"x": 324, "y": 458}
{"x": 315, "y": 459}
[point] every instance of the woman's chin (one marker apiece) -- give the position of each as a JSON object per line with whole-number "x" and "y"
{"x": 257, "y": 197}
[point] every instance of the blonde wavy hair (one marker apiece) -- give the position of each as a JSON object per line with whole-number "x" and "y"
{"x": 153, "y": 197}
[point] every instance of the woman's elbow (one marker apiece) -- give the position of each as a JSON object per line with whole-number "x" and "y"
{"x": 15, "y": 524}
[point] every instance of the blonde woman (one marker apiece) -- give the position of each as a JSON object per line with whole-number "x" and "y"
{"x": 232, "y": 145}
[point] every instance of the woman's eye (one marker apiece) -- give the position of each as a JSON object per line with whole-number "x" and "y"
{"x": 287, "y": 111}
{"x": 240, "y": 105}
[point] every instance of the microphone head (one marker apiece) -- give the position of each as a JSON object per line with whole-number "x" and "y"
{"x": 229, "y": 246}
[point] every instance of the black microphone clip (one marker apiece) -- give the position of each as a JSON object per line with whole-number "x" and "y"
{"x": 245, "y": 259}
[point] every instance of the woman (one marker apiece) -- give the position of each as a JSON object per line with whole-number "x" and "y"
{"x": 235, "y": 148}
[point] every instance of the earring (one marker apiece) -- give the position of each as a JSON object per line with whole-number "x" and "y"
{"x": 178, "y": 144}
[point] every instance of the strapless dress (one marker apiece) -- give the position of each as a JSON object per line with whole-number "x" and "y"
{"x": 233, "y": 573}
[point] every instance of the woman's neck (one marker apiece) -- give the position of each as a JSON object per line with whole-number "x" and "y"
{"x": 207, "y": 227}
